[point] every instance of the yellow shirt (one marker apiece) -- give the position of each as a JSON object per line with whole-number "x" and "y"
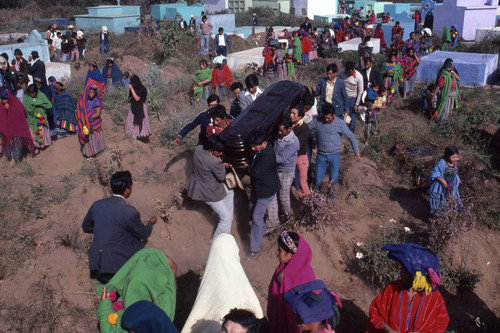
{"x": 329, "y": 91}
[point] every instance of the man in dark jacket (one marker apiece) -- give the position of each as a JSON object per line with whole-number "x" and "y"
{"x": 263, "y": 172}
{"x": 36, "y": 68}
{"x": 332, "y": 91}
{"x": 203, "y": 119}
{"x": 221, "y": 43}
{"x": 20, "y": 64}
{"x": 371, "y": 75}
{"x": 117, "y": 228}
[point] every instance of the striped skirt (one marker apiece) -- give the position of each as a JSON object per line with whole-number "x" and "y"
{"x": 95, "y": 144}
{"x": 46, "y": 138}
{"x": 223, "y": 92}
{"x": 133, "y": 130}
{"x": 408, "y": 85}
{"x": 448, "y": 108}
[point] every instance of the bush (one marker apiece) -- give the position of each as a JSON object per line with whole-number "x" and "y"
{"x": 176, "y": 121}
{"x": 370, "y": 262}
{"x": 452, "y": 219}
{"x": 462, "y": 276}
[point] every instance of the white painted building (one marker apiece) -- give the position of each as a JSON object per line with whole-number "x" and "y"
{"x": 310, "y": 8}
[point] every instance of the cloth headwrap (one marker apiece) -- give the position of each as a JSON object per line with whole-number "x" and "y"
{"x": 379, "y": 25}
{"x": 85, "y": 125}
{"x": 58, "y": 85}
{"x": 219, "y": 59}
{"x": 336, "y": 26}
{"x": 93, "y": 63}
{"x": 146, "y": 317}
{"x": 4, "y": 95}
{"x": 419, "y": 261}
{"x": 285, "y": 237}
{"x": 313, "y": 302}
{"x": 137, "y": 106}
{"x": 110, "y": 59}
{"x": 37, "y": 79}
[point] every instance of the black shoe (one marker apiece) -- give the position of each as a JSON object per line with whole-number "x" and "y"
{"x": 252, "y": 255}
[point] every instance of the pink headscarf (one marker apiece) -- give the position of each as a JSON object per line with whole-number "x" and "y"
{"x": 296, "y": 272}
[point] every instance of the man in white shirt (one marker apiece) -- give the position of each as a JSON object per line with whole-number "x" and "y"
{"x": 56, "y": 43}
{"x": 221, "y": 43}
{"x": 250, "y": 94}
{"x": 353, "y": 81}
{"x": 361, "y": 13}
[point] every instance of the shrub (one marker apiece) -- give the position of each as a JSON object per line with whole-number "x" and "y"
{"x": 176, "y": 121}
{"x": 452, "y": 219}
{"x": 318, "y": 213}
{"x": 462, "y": 276}
{"x": 370, "y": 262}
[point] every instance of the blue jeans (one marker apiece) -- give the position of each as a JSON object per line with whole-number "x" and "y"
{"x": 205, "y": 39}
{"x": 224, "y": 209}
{"x": 350, "y": 106}
{"x": 104, "y": 46}
{"x": 258, "y": 209}
{"x": 333, "y": 161}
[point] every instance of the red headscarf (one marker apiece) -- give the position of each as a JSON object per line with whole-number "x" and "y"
{"x": 296, "y": 272}
{"x": 13, "y": 124}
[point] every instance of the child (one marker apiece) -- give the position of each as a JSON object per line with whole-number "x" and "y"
{"x": 372, "y": 125}
{"x": 444, "y": 179}
{"x": 429, "y": 99}
{"x": 270, "y": 71}
{"x": 126, "y": 79}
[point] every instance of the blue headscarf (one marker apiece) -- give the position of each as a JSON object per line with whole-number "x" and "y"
{"x": 313, "y": 302}
{"x": 419, "y": 261}
{"x": 146, "y": 317}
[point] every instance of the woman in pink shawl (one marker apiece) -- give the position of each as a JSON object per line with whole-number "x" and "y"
{"x": 295, "y": 256}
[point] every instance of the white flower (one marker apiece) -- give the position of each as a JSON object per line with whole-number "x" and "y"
{"x": 392, "y": 221}
{"x": 488, "y": 263}
{"x": 381, "y": 226}
{"x": 359, "y": 255}
{"x": 360, "y": 244}
{"x": 407, "y": 229}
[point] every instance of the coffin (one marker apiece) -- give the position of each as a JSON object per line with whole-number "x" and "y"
{"x": 263, "y": 114}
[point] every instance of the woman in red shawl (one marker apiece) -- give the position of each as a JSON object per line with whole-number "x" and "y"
{"x": 14, "y": 131}
{"x": 222, "y": 78}
{"x": 295, "y": 256}
{"x": 379, "y": 33}
{"x": 413, "y": 303}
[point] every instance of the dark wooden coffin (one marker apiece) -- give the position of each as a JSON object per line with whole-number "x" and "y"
{"x": 263, "y": 114}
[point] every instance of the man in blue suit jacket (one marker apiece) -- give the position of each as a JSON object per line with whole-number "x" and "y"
{"x": 332, "y": 91}
{"x": 117, "y": 228}
{"x": 221, "y": 43}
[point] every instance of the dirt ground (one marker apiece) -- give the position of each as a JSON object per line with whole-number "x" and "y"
{"x": 45, "y": 284}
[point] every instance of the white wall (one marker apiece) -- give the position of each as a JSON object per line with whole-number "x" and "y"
{"x": 321, "y": 7}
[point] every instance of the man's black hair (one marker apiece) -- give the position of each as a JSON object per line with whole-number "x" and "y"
{"x": 332, "y": 67}
{"x": 218, "y": 111}
{"x": 243, "y": 317}
{"x": 327, "y": 108}
{"x": 236, "y": 85}
{"x": 120, "y": 181}
{"x": 349, "y": 66}
{"x": 285, "y": 122}
{"x": 252, "y": 81}
{"x": 256, "y": 137}
{"x": 212, "y": 98}
{"x": 215, "y": 143}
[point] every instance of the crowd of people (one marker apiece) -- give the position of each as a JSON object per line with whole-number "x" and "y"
{"x": 38, "y": 113}
{"x": 139, "y": 294}
{"x": 138, "y": 285}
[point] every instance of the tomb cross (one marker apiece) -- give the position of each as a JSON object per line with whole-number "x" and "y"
{"x": 119, "y": 2}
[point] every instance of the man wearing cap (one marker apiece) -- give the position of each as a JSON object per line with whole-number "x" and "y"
{"x": 69, "y": 32}
{"x": 192, "y": 23}
{"x": 103, "y": 37}
{"x": 221, "y": 43}
{"x": 255, "y": 22}
{"x": 36, "y": 68}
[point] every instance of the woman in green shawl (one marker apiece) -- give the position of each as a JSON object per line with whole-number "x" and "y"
{"x": 392, "y": 72}
{"x": 37, "y": 105}
{"x": 447, "y": 91}
{"x": 297, "y": 48}
{"x": 446, "y": 39}
{"x": 202, "y": 79}
{"x": 149, "y": 275}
